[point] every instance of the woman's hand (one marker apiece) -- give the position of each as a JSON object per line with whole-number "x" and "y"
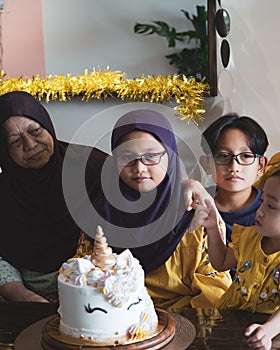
{"x": 16, "y": 291}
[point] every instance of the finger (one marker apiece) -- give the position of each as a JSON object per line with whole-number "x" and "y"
{"x": 188, "y": 199}
{"x": 194, "y": 193}
{"x": 200, "y": 215}
{"x": 262, "y": 344}
{"x": 249, "y": 330}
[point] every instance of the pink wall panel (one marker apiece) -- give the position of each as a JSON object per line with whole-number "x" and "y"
{"x": 22, "y": 39}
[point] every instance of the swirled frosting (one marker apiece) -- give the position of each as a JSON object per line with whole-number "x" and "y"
{"x": 115, "y": 283}
{"x": 102, "y": 255}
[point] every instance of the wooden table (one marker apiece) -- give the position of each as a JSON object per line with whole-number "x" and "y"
{"x": 215, "y": 329}
{"x": 221, "y": 329}
{"x": 16, "y": 316}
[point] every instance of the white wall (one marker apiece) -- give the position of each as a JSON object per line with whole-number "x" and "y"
{"x": 99, "y": 33}
{"x": 254, "y": 64}
{"x": 70, "y": 31}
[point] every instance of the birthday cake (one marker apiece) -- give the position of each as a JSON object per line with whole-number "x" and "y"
{"x": 103, "y": 299}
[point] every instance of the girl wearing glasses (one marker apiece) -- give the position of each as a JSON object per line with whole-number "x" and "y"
{"x": 143, "y": 209}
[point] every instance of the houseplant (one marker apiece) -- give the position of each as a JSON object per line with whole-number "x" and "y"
{"x": 193, "y": 59}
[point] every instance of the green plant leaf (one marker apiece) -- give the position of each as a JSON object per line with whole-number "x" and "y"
{"x": 161, "y": 29}
{"x": 190, "y": 61}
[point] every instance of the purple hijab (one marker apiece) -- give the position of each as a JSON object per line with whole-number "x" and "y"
{"x": 151, "y": 231}
{"x": 37, "y": 231}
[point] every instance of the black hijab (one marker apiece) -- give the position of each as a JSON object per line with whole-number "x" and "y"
{"x": 37, "y": 230}
{"x": 152, "y": 233}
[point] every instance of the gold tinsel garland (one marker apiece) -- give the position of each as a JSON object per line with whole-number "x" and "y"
{"x": 187, "y": 92}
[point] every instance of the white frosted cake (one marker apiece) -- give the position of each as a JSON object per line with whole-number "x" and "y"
{"x": 103, "y": 298}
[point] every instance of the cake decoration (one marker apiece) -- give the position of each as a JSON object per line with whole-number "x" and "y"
{"x": 103, "y": 298}
{"x": 102, "y": 255}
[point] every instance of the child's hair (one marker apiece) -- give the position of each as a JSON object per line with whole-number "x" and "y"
{"x": 257, "y": 138}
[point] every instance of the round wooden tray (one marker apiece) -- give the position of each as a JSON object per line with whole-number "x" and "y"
{"x": 175, "y": 332}
{"x": 52, "y": 338}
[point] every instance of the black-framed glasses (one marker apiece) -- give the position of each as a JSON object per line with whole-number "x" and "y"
{"x": 128, "y": 159}
{"x": 243, "y": 158}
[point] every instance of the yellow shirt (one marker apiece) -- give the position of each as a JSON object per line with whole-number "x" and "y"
{"x": 187, "y": 277}
{"x": 256, "y": 287}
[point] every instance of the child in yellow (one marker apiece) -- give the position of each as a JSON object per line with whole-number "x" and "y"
{"x": 254, "y": 250}
{"x": 260, "y": 336}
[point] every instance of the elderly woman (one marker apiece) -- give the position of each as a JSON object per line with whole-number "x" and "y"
{"x": 37, "y": 231}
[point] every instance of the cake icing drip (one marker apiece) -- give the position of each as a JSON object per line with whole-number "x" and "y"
{"x": 102, "y": 255}
{"x": 115, "y": 283}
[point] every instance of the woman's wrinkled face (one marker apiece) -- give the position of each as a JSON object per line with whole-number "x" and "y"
{"x": 141, "y": 177}
{"x": 29, "y": 144}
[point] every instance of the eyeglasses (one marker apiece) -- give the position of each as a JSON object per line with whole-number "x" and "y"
{"x": 243, "y": 158}
{"x": 128, "y": 159}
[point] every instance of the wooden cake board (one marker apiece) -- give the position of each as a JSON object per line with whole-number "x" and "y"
{"x": 175, "y": 332}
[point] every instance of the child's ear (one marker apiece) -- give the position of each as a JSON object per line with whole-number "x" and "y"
{"x": 262, "y": 165}
{"x": 204, "y": 162}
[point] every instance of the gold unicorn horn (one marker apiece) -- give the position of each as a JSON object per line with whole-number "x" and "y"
{"x": 102, "y": 255}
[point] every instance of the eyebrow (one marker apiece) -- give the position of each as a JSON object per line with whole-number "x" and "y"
{"x": 32, "y": 123}
{"x": 146, "y": 150}
{"x": 226, "y": 149}
{"x": 274, "y": 198}
{"x": 11, "y": 135}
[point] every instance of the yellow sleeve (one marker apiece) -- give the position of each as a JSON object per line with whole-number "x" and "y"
{"x": 187, "y": 278}
{"x": 237, "y": 230}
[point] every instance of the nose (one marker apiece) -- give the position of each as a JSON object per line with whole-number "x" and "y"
{"x": 234, "y": 166}
{"x": 139, "y": 166}
{"x": 28, "y": 142}
{"x": 259, "y": 212}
